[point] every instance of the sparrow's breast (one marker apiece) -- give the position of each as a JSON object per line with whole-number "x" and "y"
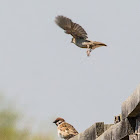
{"x": 59, "y": 134}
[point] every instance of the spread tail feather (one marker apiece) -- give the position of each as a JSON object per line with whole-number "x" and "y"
{"x": 99, "y": 43}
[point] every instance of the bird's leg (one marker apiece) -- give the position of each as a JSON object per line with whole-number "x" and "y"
{"x": 88, "y": 50}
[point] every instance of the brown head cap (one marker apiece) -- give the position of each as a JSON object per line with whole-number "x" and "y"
{"x": 59, "y": 119}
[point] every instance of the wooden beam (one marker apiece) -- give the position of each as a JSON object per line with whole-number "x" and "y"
{"x": 131, "y": 107}
{"x": 127, "y": 128}
{"x": 119, "y": 131}
{"x": 91, "y": 133}
{"x": 133, "y": 137}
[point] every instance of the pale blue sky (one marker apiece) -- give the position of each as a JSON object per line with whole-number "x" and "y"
{"x": 48, "y": 76}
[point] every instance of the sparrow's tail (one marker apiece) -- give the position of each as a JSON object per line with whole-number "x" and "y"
{"x": 96, "y": 44}
{"x": 99, "y": 43}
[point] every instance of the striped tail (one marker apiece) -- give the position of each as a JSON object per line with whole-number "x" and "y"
{"x": 99, "y": 43}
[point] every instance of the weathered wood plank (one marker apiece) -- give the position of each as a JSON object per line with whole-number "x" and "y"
{"x": 107, "y": 126}
{"x": 131, "y": 107}
{"x": 91, "y": 133}
{"x": 126, "y": 129}
{"x": 119, "y": 131}
{"x": 133, "y": 137}
{"x": 137, "y": 128}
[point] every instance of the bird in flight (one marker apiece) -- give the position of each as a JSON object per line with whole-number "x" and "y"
{"x": 65, "y": 130}
{"x": 79, "y": 34}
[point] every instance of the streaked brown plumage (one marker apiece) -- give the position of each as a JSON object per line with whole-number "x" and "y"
{"x": 78, "y": 33}
{"x": 65, "y": 130}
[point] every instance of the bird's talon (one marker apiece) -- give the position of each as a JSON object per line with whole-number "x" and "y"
{"x": 88, "y": 52}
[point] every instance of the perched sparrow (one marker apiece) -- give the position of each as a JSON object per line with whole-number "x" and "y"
{"x": 78, "y": 33}
{"x": 65, "y": 130}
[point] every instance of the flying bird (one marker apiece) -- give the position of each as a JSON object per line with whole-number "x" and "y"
{"x": 64, "y": 129}
{"x": 79, "y": 34}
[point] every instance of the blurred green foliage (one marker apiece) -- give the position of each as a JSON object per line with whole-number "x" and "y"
{"x": 9, "y": 119}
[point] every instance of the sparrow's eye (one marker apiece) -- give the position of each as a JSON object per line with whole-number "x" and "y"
{"x": 59, "y": 122}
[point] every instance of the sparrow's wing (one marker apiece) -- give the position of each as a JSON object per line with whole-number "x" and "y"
{"x": 68, "y": 129}
{"x": 71, "y": 28}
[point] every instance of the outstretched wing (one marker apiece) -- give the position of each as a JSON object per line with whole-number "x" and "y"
{"x": 71, "y": 28}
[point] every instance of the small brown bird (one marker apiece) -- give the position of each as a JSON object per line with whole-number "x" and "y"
{"x": 78, "y": 33}
{"x": 65, "y": 130}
